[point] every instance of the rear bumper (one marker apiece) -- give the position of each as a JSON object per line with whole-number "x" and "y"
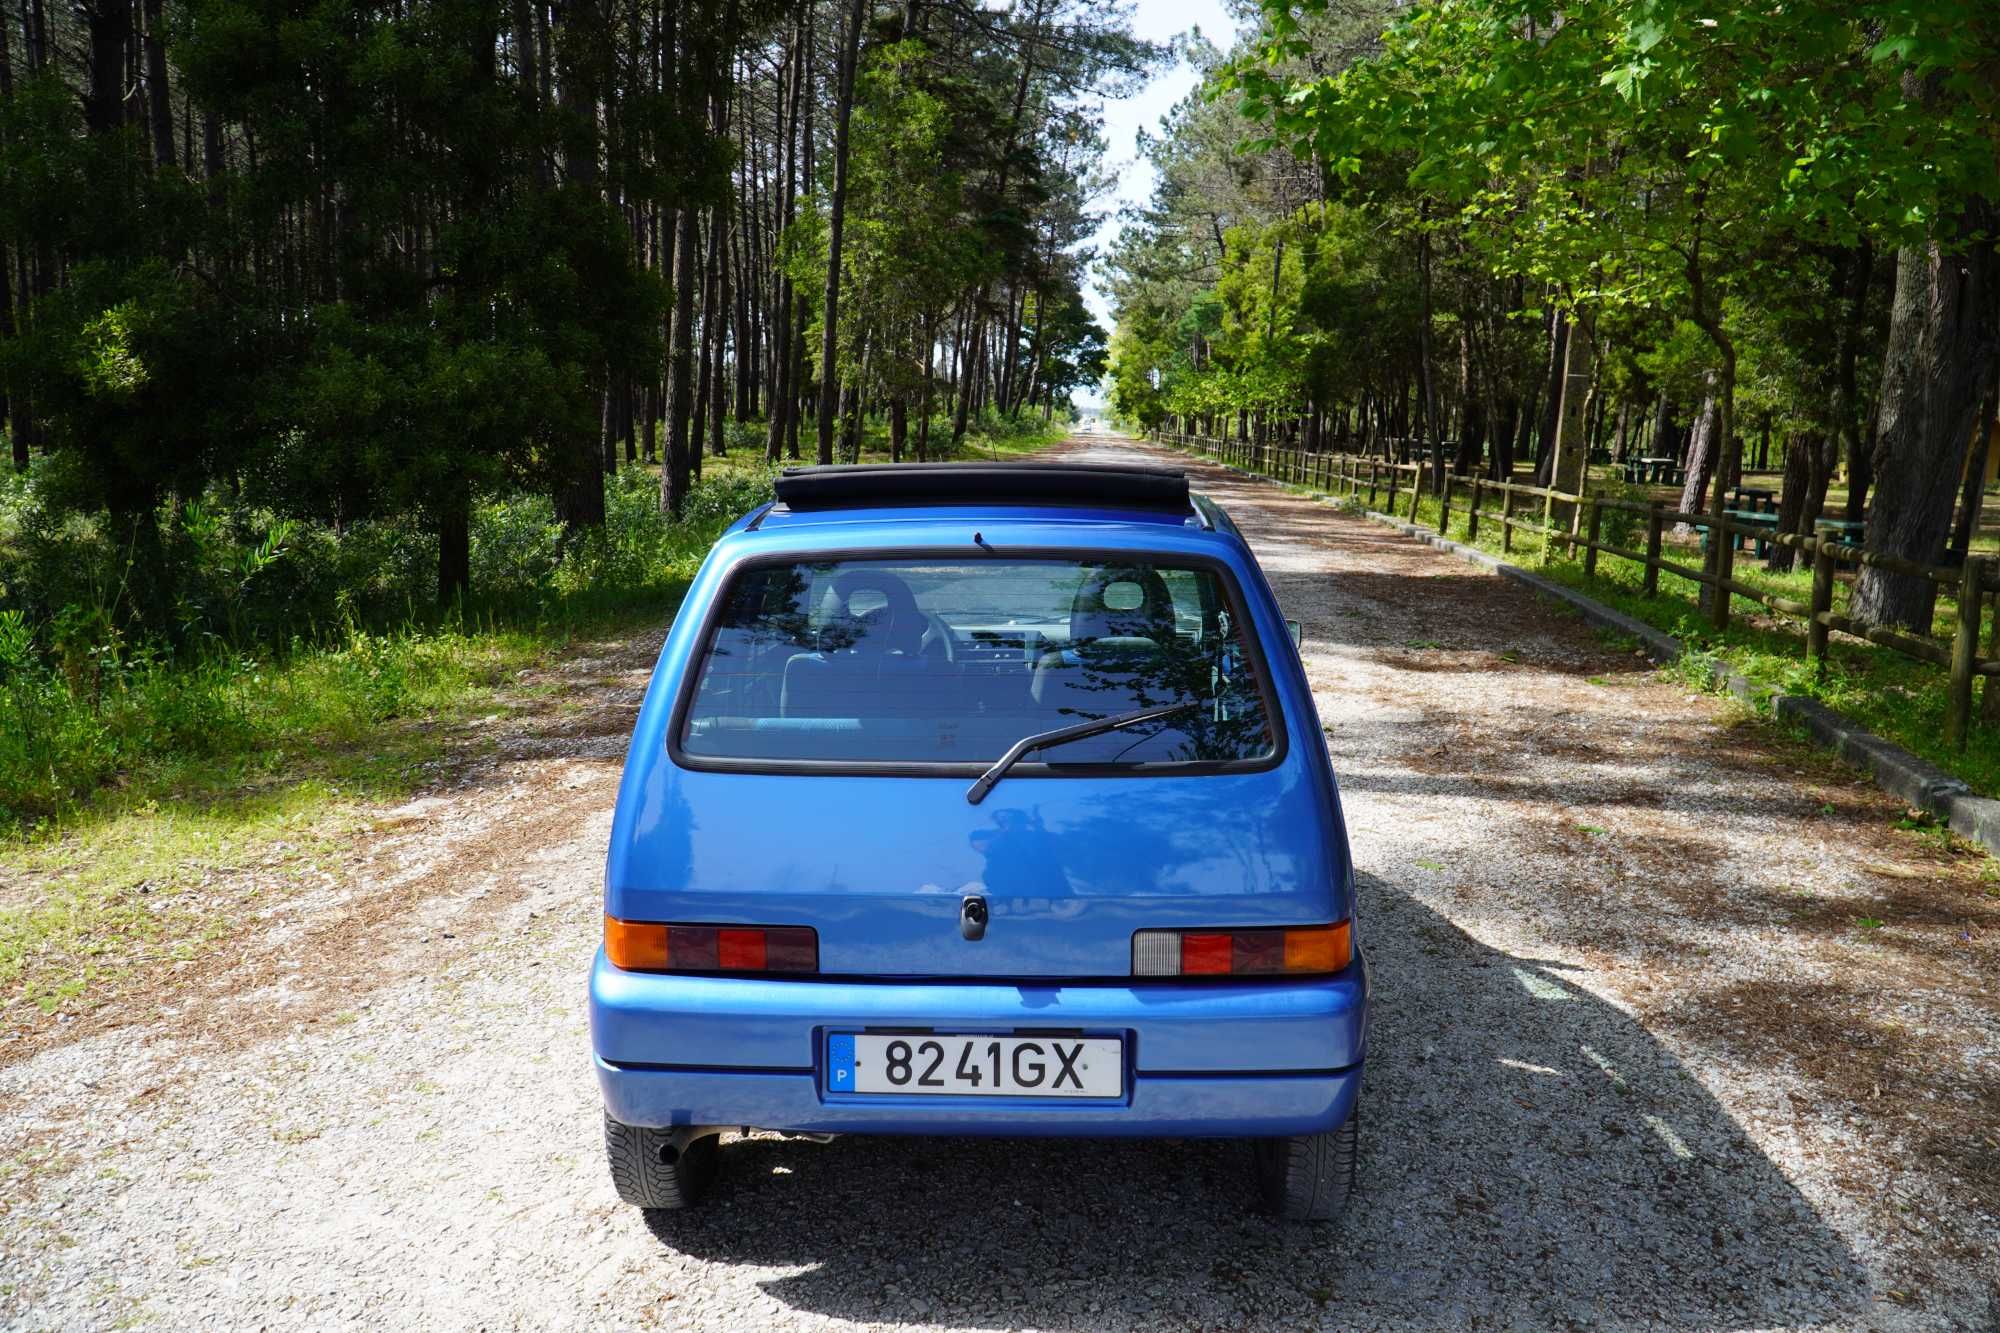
{"x": 1170, "y": 1106}
{"x": 1251, "y": 1059}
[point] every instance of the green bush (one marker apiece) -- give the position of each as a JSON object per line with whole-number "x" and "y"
{"x": 290, "y": 635}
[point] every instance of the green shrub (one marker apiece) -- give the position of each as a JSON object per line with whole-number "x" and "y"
{"x": 54, "y": 748}
{"x": 290, "y": 636}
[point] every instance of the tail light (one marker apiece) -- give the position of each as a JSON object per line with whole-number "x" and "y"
{"x": 1300, "y": 951}
{"x": 642, "y": 946}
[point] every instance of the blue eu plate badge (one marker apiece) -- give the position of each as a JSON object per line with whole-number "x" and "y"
{"x": 840, "y": 1063}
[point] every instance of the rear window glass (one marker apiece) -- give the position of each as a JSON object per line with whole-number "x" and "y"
{"x": 929, "y": 661}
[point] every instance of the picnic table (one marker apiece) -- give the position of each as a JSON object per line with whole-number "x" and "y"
{"x": 1662, "y": 471}
{"x": 1851, "y": 531}
{"x": 1765, "y": 523}
{"x": 1755, "y": 499}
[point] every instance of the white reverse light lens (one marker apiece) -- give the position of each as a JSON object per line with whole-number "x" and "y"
{"x": 1156, "y": 953}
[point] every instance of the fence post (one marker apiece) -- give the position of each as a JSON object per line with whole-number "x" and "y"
{"x": 1392, "y": 490}
{"x": 1965, "y": 651}
{"x": 1989, "y": 693}
{"x": 1590, "y": 551}
{"x": 1654, "y": 524}
{"x": 1472, "y": 514}
{"x": 1416, "y": 490}
{"x": 1822, "y": 601}
{"x": 1444, "y": 507}
{"x": 1722, "y": 564}
{"x": 1507, "y": 516}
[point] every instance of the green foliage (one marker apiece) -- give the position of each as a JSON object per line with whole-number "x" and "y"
{"x": 81, "y": 704}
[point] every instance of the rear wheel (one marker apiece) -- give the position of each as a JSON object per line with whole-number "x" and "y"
{"x": 1308, "y": 1177}
{"x": 651, "y": 1170}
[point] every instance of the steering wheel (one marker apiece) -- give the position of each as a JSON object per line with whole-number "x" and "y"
{"x": 939, "y": 635}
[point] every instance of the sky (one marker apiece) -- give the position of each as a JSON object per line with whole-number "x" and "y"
{"x": 1159, "y": 21}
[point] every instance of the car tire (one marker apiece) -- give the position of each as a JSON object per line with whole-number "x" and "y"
{"x": 1309, "y": 1177}
{"x": 649, "y": 1172}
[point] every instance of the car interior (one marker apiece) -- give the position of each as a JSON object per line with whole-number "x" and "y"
{"x": 847, "y": 661}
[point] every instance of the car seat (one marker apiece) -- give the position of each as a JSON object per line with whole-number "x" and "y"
{"x": 841, "y": 677}
{"x": 1121, "y": 625}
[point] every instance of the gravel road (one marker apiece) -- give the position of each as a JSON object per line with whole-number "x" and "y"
{"x": 1631, "y": 1062}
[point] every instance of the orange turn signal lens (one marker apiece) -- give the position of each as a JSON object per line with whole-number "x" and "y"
{"x": 1319, "y": 949}
{"x": 636, "y": 946}
{"x": 642, "y": 946}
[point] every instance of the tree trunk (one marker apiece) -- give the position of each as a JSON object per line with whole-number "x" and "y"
{"x": 829, "y": 372}
{"x": 674, "y": 474}
{"x": 1944, "y": 327}
{"x": 930, "y": 382}
{"x": 157, "y": 106}
{"x": 15, "y": 435}
{"x": 454, "y": 521}
{"x": 704, "y": 383}
{"x": 1855, "y": 271}
{"x": 1794, "y": 494}
{"x": 1702, "y": 451}
{"x": 579, "y": 498}
{"x": 110, "y": 24}
{"x": 780, "y": 406}
{"x": 1551, "y": 396}
{"x": 1426, "y": 356}
{"x": 1572, "y": 443}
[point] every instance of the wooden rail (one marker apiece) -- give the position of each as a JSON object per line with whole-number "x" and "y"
{"x": 1380, "y": 480}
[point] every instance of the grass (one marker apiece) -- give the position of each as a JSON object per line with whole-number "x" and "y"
{"x": 161, "y": 802}
{"x": 1896, "y": 697}
{"x": 164, "y": 859}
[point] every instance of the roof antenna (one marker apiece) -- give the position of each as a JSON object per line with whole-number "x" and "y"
{"x": 979, "y": 540}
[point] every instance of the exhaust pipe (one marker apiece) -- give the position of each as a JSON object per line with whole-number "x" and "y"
{"x": 675, "y": 1141}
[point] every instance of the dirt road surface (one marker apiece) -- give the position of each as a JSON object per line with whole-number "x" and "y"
{"x": 1637, "y": 1057}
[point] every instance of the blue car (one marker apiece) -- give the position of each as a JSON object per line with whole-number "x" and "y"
{"x": 982, "y": 800}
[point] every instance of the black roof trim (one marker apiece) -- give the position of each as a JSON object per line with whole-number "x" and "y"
{"x": 1106, "y": 485}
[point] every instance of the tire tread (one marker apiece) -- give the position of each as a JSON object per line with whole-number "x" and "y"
{"x": 1309, "y": 1177}
{"x": 644, "y": 1180}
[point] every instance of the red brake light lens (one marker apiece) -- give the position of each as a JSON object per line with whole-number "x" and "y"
{"x": 1205, "y": 955}
{"x": 643, "y": 946}
{"x": 1299, "y": 951}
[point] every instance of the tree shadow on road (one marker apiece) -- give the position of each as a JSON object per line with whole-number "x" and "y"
{"x": 1531, "y": 1155}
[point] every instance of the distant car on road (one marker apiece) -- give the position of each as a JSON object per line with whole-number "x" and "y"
{"x": 980, "y": 800}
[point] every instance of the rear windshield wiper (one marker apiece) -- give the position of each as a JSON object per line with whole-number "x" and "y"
{"x": 1043, "y": 740}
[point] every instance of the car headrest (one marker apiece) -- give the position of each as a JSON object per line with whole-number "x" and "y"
{"x": 896, "y": 625}
{"x": 1122, "y": 603}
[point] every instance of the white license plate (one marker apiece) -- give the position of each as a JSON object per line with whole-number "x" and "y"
{"x": 920, "y": 1064}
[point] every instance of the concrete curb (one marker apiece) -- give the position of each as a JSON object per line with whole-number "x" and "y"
{"x": 1897, "y": 771}
{"x": 1903, "y": 775}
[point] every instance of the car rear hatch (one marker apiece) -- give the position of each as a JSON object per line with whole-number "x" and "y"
{"x": 1069, "y": 867}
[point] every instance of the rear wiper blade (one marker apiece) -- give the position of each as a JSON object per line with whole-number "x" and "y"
{"x": 1043, "y": 740}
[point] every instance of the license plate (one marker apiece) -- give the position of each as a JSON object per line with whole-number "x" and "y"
{"x": 921, "y": 1064}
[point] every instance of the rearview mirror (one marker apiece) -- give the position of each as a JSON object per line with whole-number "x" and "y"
{"x": 1298, "y": 633}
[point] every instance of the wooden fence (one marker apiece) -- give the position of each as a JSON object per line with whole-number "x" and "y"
{"x": 1400, "y": 487}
